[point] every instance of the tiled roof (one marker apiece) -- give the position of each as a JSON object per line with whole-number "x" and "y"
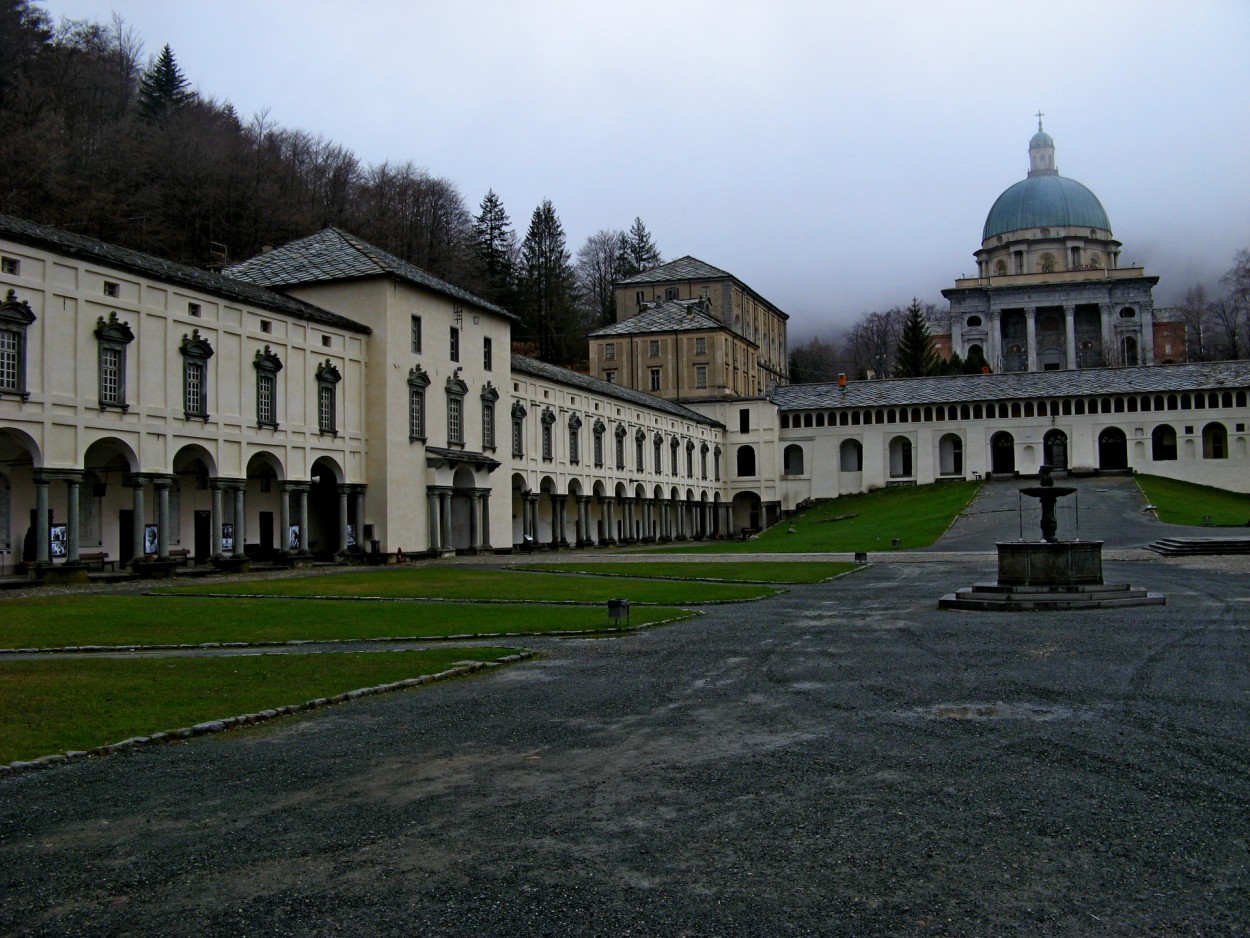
{"x": 958, "y": 389}
{"x": 669, "y": 316}
{"x": 334, "y": 254}
{"x": 78, "y": 246}
{"x": 684, "y": 268}
{"x": 533, "y": 366}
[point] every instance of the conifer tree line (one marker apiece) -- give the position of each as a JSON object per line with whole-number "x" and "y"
{"x": 104, "y": 141}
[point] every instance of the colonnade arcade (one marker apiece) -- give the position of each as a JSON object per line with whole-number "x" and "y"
{"x": 1058, "y": 337}
{"x": 108, "y": 511}
{"x": 548, "y": 518}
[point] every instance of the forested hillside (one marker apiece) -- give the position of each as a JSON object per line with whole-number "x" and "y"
{"x": 104, "y": 139}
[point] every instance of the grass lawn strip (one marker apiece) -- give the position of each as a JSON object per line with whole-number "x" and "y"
{"x": 1178, "y": 502}
{"x": 479, "y": 585}
{"x": 763, "y": 572}
{"x": 130, "y": 621}
{"x": 914, "y": 515}
{"x": 84, "y": 706}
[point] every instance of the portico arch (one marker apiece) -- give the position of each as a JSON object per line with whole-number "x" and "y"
{"x": 19, "y": 457}
{"x": 262, "y": 497}
{"x": 1112, "y": 450}
{"x": 327, "y": 509}
{"x": 191, "y": 501}
{"x": 108, "y": 521}
{"x": 1002, "y": 453}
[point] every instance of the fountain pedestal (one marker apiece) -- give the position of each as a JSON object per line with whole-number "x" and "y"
{"x": 1054, "y": 563}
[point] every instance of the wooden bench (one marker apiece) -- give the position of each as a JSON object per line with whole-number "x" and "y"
{"x": 100, "y": 558}
{"x": 182, "y": 555}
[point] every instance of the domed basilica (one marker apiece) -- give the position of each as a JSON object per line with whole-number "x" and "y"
{"x": 1050, "y": 293}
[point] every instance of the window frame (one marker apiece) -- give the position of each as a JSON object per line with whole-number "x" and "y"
{"x": 457, "y": 390}
{"x": 489, "y": 397}
{"x": 454, "y": 342}
{"x": 418, "y": 383}
{"x": 548, "y": 441}
{"x": 518, "y": 429}
{"x": 196, "y": 351}
{"x": 15, "y": 317}
{"x": 112, "y": 338}
{"x": 267, "y": 365}
{"x": 328, "y": 377}
{"x": 414, "y": 335}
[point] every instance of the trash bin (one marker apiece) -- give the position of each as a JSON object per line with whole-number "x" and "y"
{"x": 618, "y": 609}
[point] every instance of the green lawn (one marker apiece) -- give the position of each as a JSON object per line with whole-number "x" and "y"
{"x": 62, "y": 621}
{"x": 729, "y": 571}
{"x": 483, "y": 584}
{"x": 915, "y": 515}
{"x": 1186, "y": 503}
{"x": 57, "y": 705}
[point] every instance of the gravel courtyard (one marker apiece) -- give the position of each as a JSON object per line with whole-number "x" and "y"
{"x": 843, "y": 759}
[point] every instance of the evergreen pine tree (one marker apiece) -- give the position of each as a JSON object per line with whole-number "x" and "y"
{"x": 916, "y": 355}
{"x": 546, "y": 296}
{"x": 637, "y": 251}
{"x": 494, "y": 245}
{"x": 163, "y": 90}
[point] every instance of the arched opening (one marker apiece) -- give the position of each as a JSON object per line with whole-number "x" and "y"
{"x": 1112, "y": 450}
{"x": 462, "y": 501}
{"x": 262, "y": 500}
{"x": 745, "y": 461}
{"x": 191, "y": 502}
{"x": 950, "y": 455}
{"x": 520, "y": 518}
{"x": 1002, "y": 453}
{"x": 792, "y": 460}
{"x": 1055, "y": 449}
{"x": 1214, "y": 441}
{"x": 1128, "y": 350}
{"x": 108, "y": 523}
{"x": 900, "y": 458}
{"x": 18, "y": 458}
{"x": 324, "y": 536}
{"x": 851, "y": 456}
{"x": 746, "y": 511}
{"x": 1163, "y": 443}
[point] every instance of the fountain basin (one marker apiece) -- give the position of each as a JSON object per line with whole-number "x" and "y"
{"x": 1050, "y": 563}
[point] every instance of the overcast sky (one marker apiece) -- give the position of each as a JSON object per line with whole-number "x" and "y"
{"x": 837, "y": 157}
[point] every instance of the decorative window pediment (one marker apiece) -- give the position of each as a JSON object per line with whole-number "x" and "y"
{"x": 600, "y": 426}
{"x": 621, "y": 432}
{"x": 456, "y": 386}
{"x": 417, "y": 378}
{"x": 15, "y": 312}
{"x": 489, "y": 393}
{"x": 518, "y": 410}
{"x": 114, "y": 330}
{"x": 327, "y": 373}
{"x": 575, "y": 422}
{"x": 548, "y": 417}
{"x": 267, "y": 361}
{"x": 196, "y": 346}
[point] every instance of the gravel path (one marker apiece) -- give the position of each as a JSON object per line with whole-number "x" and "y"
{"x": 840, "y": 759}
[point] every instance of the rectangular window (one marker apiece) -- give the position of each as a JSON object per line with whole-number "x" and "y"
{"x": 620, "y": 453}
{"x": 326, "y": 415}
{"x": 455, "y": 344}
{"x": 267, "y": 326}
{"x": 744, "y": 421}
{"x": 455, "y": 419}
{"x": 610, "y": 377}
{"x": 486, "y": 354}
{"x": 574, "y": 456}
{"x": 10, "y": 349}
{"x": 265, "y": 387}
{"x": 659, "y": 456}
{"x": 640, "y": 297}
{"x": 653, "y": 348}
{"x": 609, "y": 351}
{"x": 639, "y": 460}
{"x": 700, "y": 376}
{"x": 416, "y": 413}
{"x": 700, "y": 346}
{"x": 11, "y": 266}
{"x": 111, "y": 376}
{"x": 111, "y": 288}
{"x": 193, "y": 309}
{"x": 193, "y": 388}
{"x": 547, "y": 442}
{"x": 598, "y": 450}
{"x": 655, "y": 379}
{"x": 415, "y": 335}
{"x": 670, "y": 293}
{"x": 518, "y": 437}
{"x": 488, "y": 423}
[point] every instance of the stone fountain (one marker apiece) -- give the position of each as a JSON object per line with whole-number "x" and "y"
{"x": 1050, "y": 573}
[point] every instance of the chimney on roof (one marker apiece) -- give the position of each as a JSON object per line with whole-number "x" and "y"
{"x": 842, "y": 380}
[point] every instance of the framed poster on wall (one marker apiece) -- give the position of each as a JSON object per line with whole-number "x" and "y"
{"x": 227, "y": 537}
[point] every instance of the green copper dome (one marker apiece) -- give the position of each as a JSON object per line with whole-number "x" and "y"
{"x": 1045, "y": 202}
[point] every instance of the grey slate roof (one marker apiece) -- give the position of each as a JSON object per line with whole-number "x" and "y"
{"x": 684, "y": 268}
{"x": 959, "y": 389}
{"x": 334, "y": 254}
{"x": 532, "y": 366}
{"x": 669, "y": 316}
{"x": 79, "y": 246}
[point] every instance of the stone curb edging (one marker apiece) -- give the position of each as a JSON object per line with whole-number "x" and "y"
{"x": 468, "y": 602}
{"x": 246, "y": 719}
{"x": 695, "y": 579}
{"x": 295, "y": 642}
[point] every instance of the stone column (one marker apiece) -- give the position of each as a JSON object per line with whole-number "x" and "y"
{"x": 475, "y": 514}
{"x": 240, "y": 521}
{"x": 994, "y": 354}
{"x": 358, "y": 496}
{"x": 627, "y": 519}
{"x": 42, "y": 531}
{"x": 303, "y": 519}
{"x": 484, "y": 495}
{"x": 563, "y": 506}
{"x": 137, "y": 483}
{"x": 215, "y": 519}
{"x": 647, "y": 525}
{"x": 1146, "y": 316}
{"x": 585, "y": 540}
{"x": 1069, "y": 335}
{"x": 444, "y": 496}
{"x": 1030, "y": 331}
{"x": 162, "y": 517}
{"x": 344, "y": 491}
{"x": 71, "y": 545}
{"x": 555, "y": 521}
{"x": 436, "y": 528}
{"x": 609, "y": 523}
{"x": 284, "y": 519}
